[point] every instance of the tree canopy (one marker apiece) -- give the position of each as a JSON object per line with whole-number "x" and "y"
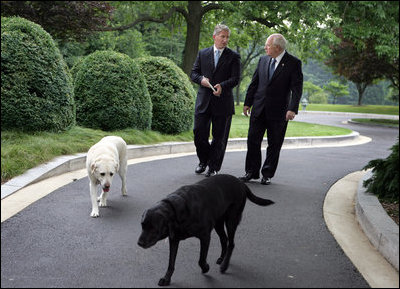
{"x": 62, "y": 19}
{"x": 178, "y": 29}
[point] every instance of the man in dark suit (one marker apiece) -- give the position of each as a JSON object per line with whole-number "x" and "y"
{"x": 273, "y": 98}
{"x": 217, "y": 71}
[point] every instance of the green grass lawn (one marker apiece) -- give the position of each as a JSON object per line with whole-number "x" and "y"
{"x": 375, "y": 109}
{"x": 240, "y": 126}
{"x": 378, "y": 121}
{"x": 22, "y": 151}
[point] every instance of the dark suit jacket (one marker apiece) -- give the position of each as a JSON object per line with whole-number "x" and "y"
{"x": 227, "y": 73}
{"x": 281, "y": 93}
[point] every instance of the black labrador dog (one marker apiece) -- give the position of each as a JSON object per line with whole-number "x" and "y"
{"x": 193, "y": 211}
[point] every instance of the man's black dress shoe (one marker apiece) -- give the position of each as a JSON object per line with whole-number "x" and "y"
{"x": 200, "y": 168}
{"x": 211, "y": 173}
{"x": 265, "y": 181}
{"x": 247, "y": 177}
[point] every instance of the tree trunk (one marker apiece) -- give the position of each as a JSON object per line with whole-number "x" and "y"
{"x": 238, "y": 86}
{"x": 360, "y": 88}
{"x": 238, "y": 94}
{"x": 193, "y": 23}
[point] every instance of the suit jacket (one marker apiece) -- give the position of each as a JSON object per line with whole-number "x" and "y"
{"x": 227, "y": 73}
{"x": 278, "y": 95}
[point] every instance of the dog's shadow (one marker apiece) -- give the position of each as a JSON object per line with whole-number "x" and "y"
{"x": 116, "y": 206}
{"x": 215, "y": 279}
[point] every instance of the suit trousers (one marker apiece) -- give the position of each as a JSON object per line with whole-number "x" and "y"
{"x": 211, "y": 154}
{"x": 276, "y": 130}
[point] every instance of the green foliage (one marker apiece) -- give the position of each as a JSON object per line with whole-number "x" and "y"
{"x": 318, "y": 97}
{"x": 377, "y": 20}
{"x": 171, "y": 93}
{"x": 111, "y": 92}
{"x": 385, "y": 179}
{"x": 319, "y": 74}
{"x": 307, "y": 23}
{"x": 170, "y": 38}
{"x": 313, "y": 93}
{"x": 36, "y": 87}
{"x": 167, "y": 46}
{"x": 336, "y": 89}
{"x": 128, "y": 42}
{"x": 62, "y": 19}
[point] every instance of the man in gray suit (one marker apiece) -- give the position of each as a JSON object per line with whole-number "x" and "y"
{"x": 217, "y": 71}
{"x": 273, "y": 98}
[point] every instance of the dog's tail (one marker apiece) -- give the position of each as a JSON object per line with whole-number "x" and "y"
{"x": 255, "y": 199}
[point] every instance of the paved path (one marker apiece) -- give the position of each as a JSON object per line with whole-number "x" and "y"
{"x": 54, "y": 242}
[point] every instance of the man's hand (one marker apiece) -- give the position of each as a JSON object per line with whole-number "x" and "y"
{"x": 246, "y": 110}
{"x": 205, "y": 81}
{"x": 218, "y": 87}
{"x": 290, "y": 115}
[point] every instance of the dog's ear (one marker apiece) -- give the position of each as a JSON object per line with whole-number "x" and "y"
{"x": 93, "y": 167}
{"x": 116, "y": 166}
{"x": 179, "y": 205}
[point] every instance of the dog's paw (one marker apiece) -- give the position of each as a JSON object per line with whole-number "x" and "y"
{"x": 205, "y": 268}
{"x": 223, "y": 267}
{"x": 164, "y": 282}
{"x": 102, "y": 202}
{"x": 94, "y": 214}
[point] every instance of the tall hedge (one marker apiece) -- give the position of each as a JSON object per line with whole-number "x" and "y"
{"x": 111, "y": 92}
{"x": 36, "y": 87}
{"x": 171, "y": 93}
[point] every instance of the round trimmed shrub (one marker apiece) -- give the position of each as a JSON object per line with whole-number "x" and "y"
{"x": 171, "y": 93}
{"x": 111, "y": 92}
{"x": 36, "y": 87}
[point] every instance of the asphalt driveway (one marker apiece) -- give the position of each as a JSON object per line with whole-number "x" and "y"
{"x": 55, "y": 243}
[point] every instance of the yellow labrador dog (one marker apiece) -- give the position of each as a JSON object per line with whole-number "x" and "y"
{"x": 103, "y": 160}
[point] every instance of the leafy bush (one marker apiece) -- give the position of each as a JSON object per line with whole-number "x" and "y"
{"x": 111, "y": 92}
{"x": 385, "y": 179}
{"x": 171, "y": 93}
{"x": 36, "y": 87}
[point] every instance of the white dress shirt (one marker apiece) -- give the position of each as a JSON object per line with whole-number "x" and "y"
{"x": 279, "y": 58}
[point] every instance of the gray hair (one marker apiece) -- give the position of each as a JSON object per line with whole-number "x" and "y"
{"x": 220, "y": 27}
{"x": 278, "y": 40}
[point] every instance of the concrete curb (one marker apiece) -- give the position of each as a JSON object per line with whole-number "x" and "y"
{"x": 380, "y": 229}
{"x": 71, "y": 163}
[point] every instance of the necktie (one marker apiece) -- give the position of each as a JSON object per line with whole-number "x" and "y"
{"x": 272, "y": 68}
{"x": 216, "y": 57}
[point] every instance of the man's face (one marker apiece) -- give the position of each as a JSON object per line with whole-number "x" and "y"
{"x": 221, "y": 39}
{"x": 270, "y": 49}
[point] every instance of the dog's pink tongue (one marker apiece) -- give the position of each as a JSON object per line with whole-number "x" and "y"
{"x": 106, "y": 189}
